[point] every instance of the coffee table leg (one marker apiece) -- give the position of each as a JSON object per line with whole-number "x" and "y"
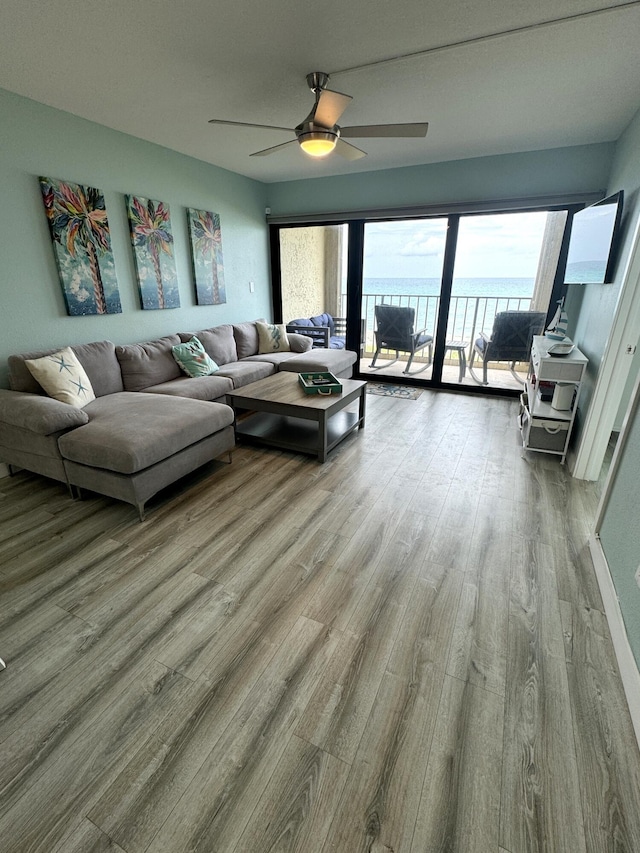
{"x": 361, "y": 413}
{"x": 322, "y": 437}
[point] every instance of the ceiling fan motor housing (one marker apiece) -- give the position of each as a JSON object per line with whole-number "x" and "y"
{"x": 317, "y": 80}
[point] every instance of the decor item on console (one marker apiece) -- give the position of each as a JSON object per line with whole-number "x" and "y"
{"x": 557, "y": 328}
{"x": 81, "y": 240}
{"x": 152, "y": 241}
{"x": 206, "y": 254}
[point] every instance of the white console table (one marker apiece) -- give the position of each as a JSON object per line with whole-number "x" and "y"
{"x": 543, "y": 428}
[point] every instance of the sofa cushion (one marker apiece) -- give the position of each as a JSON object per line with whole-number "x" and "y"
{"x": 272, "y": 337}
{"x": 148, "y": 364}
{"x": 275, "y": 358}
{"x": 244, "y": 372}
{"x": 128, "y": 432}
{"x": 37, "y": 413}
{"x": 218, "y": 342}
{"x": 193, "y": 359}
{"x": 201, "y": 388}
{"x": 98, "y": 359}
{"x": 62, "y": 377}
{"x": 334, "y": 360}
{"x": 299, "y": 343}
{"x": 246, "y": 335}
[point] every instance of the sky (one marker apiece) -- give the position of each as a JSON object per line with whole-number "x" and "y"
{"x": 489, "y": 246}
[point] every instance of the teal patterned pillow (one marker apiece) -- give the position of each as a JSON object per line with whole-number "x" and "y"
{"x": 272, "y": 338}
{"x": 193, "y": 360}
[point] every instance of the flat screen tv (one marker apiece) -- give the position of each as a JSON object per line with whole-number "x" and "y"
{"x": 592, "y": 244}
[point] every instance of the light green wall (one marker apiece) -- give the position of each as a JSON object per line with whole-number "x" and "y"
{"x": 582, "y": 168}
{"x": 620, "y": 531}
{"x": 38, "y": 140}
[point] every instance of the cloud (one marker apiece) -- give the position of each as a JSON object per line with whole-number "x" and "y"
{"x": 429, "y": 246}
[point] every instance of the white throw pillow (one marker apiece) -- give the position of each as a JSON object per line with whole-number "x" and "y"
{"x": 272, "y": 338}
{"x": 62, "y": 377}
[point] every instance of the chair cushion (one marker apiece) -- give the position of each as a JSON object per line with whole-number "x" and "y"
{"x": 422, "y": 340}
{"x": 303, "y": 321}
{"x": 480, "y": 344}
{"x": 336, "y": 343}
{"x": 324, "y": 320}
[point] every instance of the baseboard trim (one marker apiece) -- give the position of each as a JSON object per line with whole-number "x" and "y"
{"x": 626, "y": 661}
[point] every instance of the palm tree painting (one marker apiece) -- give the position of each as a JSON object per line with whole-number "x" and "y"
{"x": 152, "y": 240}
{"x": 81, "y": 240}
{"x": 206, "y": 252}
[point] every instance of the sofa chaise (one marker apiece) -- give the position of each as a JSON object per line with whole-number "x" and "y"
{"x": 149, "y": 423}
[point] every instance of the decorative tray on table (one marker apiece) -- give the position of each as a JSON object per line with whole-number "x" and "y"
{"x": 319, "y": 383}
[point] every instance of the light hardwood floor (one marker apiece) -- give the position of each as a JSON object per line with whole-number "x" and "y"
{"x": 400, "y": 651}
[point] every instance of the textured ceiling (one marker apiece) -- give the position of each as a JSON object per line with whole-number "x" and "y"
{"x": 490, "y": 76}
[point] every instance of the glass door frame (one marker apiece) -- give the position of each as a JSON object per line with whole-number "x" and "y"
{"x": 355, "y": 286}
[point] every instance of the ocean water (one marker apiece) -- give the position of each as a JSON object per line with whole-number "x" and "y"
{"x": 474, "y": 301}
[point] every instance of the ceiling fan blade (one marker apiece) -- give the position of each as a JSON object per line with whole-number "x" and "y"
{"x": 266, "y": 151}
{"x": 330, "y": 107}
{"x": 382, "y": 130}
{"x": 248, "y": 124}
{"x": 348, "y": 151}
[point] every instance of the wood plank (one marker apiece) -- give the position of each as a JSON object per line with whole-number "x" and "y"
{"x": 541, "y": 807}
{"x": 87, "y": 838}
{"x": 460, "y": 804}
{"x": 607, "y": 750}
{"x": 428, "y": 622}
{"x": 479, "y": 644}
{"x": 298, "y": 804}
{"x": 37, "y": 815}
{"x": 215, "y": 808}
{"x": 382, "y": 796}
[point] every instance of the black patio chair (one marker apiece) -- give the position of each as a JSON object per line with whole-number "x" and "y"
{"x": 510, "y": 340}
{"x": 394, "y": 331}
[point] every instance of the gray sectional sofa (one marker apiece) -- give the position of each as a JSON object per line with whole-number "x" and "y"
{"x": 150, "y": 424}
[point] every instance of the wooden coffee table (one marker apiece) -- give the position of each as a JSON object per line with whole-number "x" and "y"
{"x": 284, "y": 416}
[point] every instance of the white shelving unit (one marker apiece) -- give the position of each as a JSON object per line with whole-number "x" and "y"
{"x": 543, "y": 428}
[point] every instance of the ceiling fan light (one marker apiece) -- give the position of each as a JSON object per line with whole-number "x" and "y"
{"x": 318, "y": 143}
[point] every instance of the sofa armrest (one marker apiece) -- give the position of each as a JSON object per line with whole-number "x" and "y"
{"x": 299, "y": 343}
{"x": 319, "y": 334}
{"x": 42, "y": 415}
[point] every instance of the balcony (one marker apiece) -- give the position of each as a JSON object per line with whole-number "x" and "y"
{"x": 468, "y": 316}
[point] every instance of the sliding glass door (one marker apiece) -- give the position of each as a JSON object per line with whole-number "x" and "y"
{"x": 401, "y": 294}
{"x": 425, "y": 298}
{"x": 504, "y": 263}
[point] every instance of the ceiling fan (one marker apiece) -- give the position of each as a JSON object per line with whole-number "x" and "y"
{"x": 319, "y": 134}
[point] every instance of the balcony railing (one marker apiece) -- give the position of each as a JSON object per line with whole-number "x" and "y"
{"x": 468, "y": 315}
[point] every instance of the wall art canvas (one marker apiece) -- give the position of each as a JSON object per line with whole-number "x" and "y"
{"x": 152, "y": 240}
{"x": 79, "y": 230}
{"x": 206, "y": 252}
